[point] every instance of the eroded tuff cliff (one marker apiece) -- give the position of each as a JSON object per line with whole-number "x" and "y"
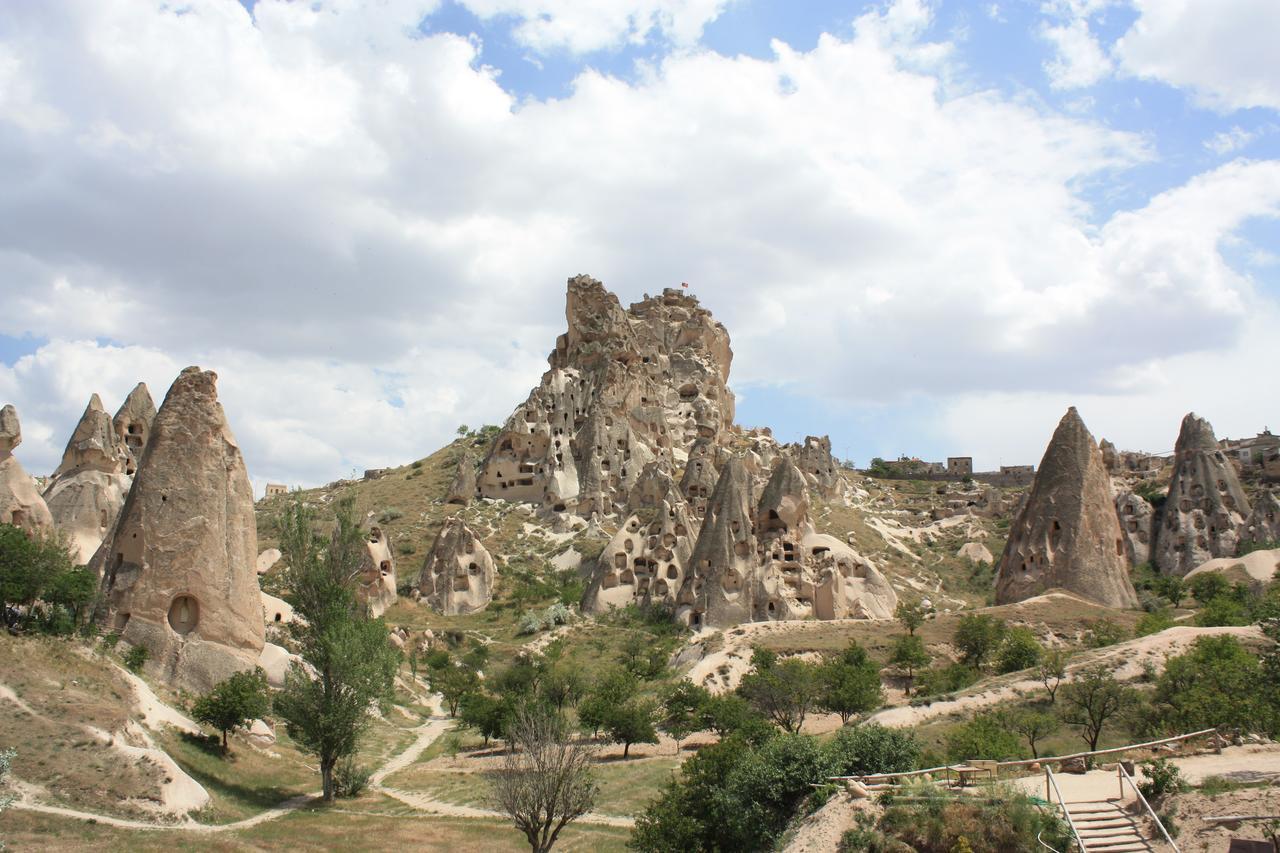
{"x": 1205, "y": 513}
{"x": 86, "y": 492}
{"x": 1067, "y": 534}
{"x": 178, "y": 571}
{"x": 20, "y": 502}
{"x": 625, "y": 387}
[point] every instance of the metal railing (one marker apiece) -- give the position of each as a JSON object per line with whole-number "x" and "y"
{"x": 1125, "y": 777}
{"x": 1051, "y": 785}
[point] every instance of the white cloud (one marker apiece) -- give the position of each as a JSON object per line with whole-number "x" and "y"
{"x": 367, "y": 237}
{"x": 1229, "y": 141}
{"x": 582, "y": 26}
{"x": 1079, "y": 60}
{"x": 1224, "y": 51}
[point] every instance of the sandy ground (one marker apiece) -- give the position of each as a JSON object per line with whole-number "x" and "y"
{"x": 1126, "y": 659}
{"x": 1198, "y": 836}
{"x": 1260, "y": 565}
{"x": 821, "y": 831}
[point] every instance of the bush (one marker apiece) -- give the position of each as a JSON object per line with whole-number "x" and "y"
{"x": 530, "y": 623}
{"x": 945, "y": 679}
{"x": 406, "y": 549}
{"x": 1223, "y": 610}
{"x": 1162, "y": 779}
{"x": 986, "y": 736}
{"x": 1153, "y": 623}
{"x": 1019, "y": 650}
{"x": 1207, "y": 586}
{"x": 350, "y": 779}
{"x": 934, "y": 822}
{"x": 1103, "y": 632}
{"x": 135, "y": 658}
{"x": 389, "y": 514}
{"x": 872, "y": 749}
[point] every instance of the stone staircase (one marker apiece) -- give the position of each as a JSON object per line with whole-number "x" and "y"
{"x": 1105, "y": 827}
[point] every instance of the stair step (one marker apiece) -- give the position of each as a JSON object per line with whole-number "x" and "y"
{"x": 1110, "y": 833}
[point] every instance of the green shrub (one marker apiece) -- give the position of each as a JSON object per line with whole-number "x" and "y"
{"x": 1153, "y": 623}
{"x": 858, "y": 750}
{"x": 932, "y": 821}
{"x": 350, "y": 779}
{"x": 1019, "y": 650}
{"x": 389, "y": 514}
{"x": 405, "y": 549}
{"x": 978, "y": 636}
{"x": 986, "y": 736}
{"x": 1103, "y": 632}
{"x": 940, "y": 681}
{"x": 1162, "y": 779}
{"x": 135, "y": 658}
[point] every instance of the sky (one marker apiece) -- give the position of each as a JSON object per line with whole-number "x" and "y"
{"x": 929, "y": 227}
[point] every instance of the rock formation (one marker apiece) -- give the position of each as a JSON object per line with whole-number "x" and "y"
{"x": 1110, "y": 456}
{"x": 1067, "y": 534}
{"x": 1137, "y": 519}
{"x": 624, "y": 388}
{"x": 88, "y": 489}
{"x": 1204, "y": 515}
{"x": 20, "y": 501}
{"x": 700, "y": 476}
{"x": 717, "y": 590}
{"x": 821, "y": 471}
{"x": 463, "y": 488}
{"x": 804, "y": 573}
{"x": 976, "y": 552}
{"x": 644, "y": 563}
{"x": 1263, "y": 524}
{"x": 376, "y": 582}
{"x": 132, "y": 423}
{"x": 458, "y": 574}
{"x": 178, "y": 572}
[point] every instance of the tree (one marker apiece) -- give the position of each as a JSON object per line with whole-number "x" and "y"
{"x": 1214, "y": 683}
{"x": 682, "y": 706}
{"x": 1091, "y": 699}
{"x": 349, "y": 662}
{"x": 545, "y": 781}
{"x": 908, "y": 655}
{"x": 486, "y": 714}
{"x": 911, "y": 616}
{"x": 615, "y": 688}
{"x": 1052, "y": 669}
{"x": 1207, "y": 586}
{"x": 562, "y": 686}
{"x": 74, "y": 589}
{"x": 1019, "y": 650}
{"x": 977, "y": 637}
{"x": 233, "y": 703}
{"x": 872, "y": 748}
{"x": 453, "y": 682}
{"x": 28, "y": 566}
{"x": 783, "y": 691}
{"x": 730, "y": 715}
{"x": 1034, "y": 726}
{"x": 849, "y": 683}
{"x": 631, "y": 722}
{"x": 986, "y": 736}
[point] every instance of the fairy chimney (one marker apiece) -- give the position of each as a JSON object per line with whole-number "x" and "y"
{"x": 132, "y": 423}
{"x": 1205, "y": 513}
{"x": 376, "y": 578}
{"x": 178, "y": 572}
{"x": 86, "y": 492}
{"x": 717, "y": 590}
{"x": 20, "y": 502}
{"x": 1263, "y": 524}
{"x": 1137, "y": 523}
{"x": 463, "y": 488}
{"x": 1067, "y": 534}
{"x": 458, "y": 574}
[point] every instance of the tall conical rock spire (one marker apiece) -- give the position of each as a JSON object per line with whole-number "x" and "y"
{"x": 178, "y": 571}
{"x": 133, "y": 423}
{"x": 88, "y": 489}
{"x": 1204, "y": 514}
{"x": 1067, "y": 534}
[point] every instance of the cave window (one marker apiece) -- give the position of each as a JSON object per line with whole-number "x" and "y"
{"x": 184, "y": 614}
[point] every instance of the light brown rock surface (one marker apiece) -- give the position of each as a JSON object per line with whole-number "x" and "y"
{"x": 1137, "y": 522}
{"x": 1067, "y": 535}
{"x": 459, "y": 573}
{"x": 20, "y": 502}
{"x": 133, "y": 421}
{"x": 463, "y": 488}
{"x": 88, "y": 489}
{"x": 376, "y": 581}
{"x": 624, "y": 388}
{"x": 178, "y": 574}
{"x": 1205, "y": 512}
{"x": 1263, "y": 524}
{"x": 645, "y": 561}
{"x": 717, "y": 590}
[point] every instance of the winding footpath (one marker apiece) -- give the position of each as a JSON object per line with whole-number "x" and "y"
{"x": 435, "y": 726}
